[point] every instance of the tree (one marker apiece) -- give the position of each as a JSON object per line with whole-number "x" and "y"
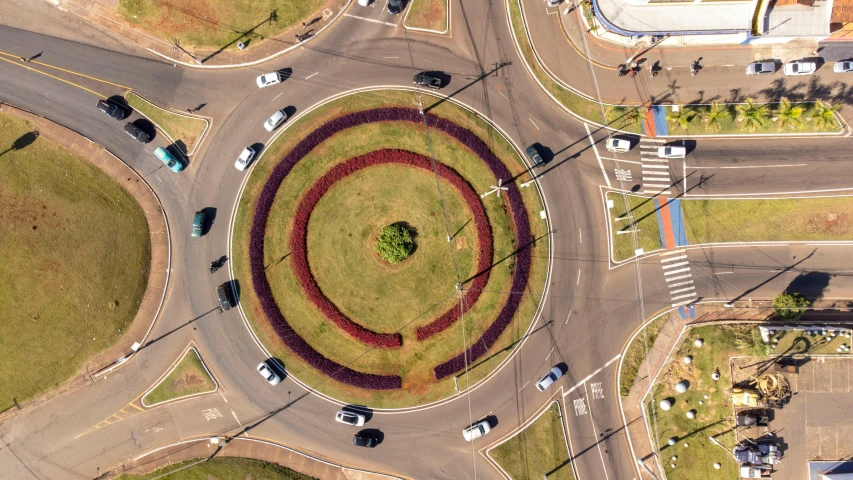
{"x": 753, "y": 115}
{"x": 395, "y": 243}
{"x": 682, "y": 117}
{"x": 824, "y": 114}
{"x": 789, "y": 306}
{"x": 714, "y": 116}
{"x": 787, "y": 114}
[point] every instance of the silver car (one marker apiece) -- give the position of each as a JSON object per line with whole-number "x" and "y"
{"x": 350, "y": 418}
{"x": 843, "y": 67}
{"x": 477, "y": 430}
{"x": 275, "y": 120}
{"x": 760, "y": 68}
{"x": 799, "y": 67}
{"x": 245, "y": 158}
{"x": 269, "y": 374}
{"x": 552, "y": 376}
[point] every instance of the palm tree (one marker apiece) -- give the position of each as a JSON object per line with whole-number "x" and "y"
{"x": 753, "y": 115}
{"x": 682, "y": 117}
{"x": 715, "y": 115}
{"x": 824, "y": 114}
{"x": 632, "y": 116}
{"x": 787, "y": 114}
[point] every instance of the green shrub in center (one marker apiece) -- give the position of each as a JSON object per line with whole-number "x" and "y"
{"x": 395, "y": 243}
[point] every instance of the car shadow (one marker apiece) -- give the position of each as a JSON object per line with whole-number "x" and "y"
{"x": 122, "y": 103}
{"x": 493, "y": 421}
{"x": 563, "y": 367}
{"x": 285, "y": 73}
{"x": 290, "y": 111}
{"x": 545, "y": 152}
{"x": 179, "y": 155}
{"x": 277, "y": 366}
{"x": 209, "y": 218}
{"x": 379, "y": 435}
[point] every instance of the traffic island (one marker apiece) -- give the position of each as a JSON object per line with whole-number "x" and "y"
{"x": 633, "y": 224}
{"x": 188, "y": 377}
{"x": 345, "y": 321}
{"x": 184, "y": 131}
{"x": 539, "y": 450}
{"x": 428, "y": 16}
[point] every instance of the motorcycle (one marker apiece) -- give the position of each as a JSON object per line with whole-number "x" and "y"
{"x": 622, "y": 70}
{"x": 214, "y": 266}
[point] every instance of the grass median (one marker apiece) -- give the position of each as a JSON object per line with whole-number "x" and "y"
{"x": 538, "y": 450}
{"x": 74, "y": 260}
{"x": 636, "y": 217}
{"x": 188, "y": 377}
{"x": 763, "y": 220}
{"x": 428, "y": 15}
{"x": 185, "y": 131}
{"x": 221, "y": 468}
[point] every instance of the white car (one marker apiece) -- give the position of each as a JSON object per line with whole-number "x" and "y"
{"x": 245, "y": 158}
{"x": 364, "y": 3}
{"x": 349, "y": 418}
{"x": 275, "y": 120}
{"x": 760, "y": 68}
{"x": 268, "y": 79}
{"x": 617, "y": 145}
{"x": 843, "y": 67}
{"x": 477, "y": 430}
{"x": 552, "y": 3}
{"x": 800, "y": 67}
{"x": 671, "y": 151}
{"x": 552, "y": 376}
{"x": 269, "y": 374}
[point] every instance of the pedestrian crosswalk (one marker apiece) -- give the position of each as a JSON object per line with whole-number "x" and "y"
{"x": 656, "y": 177}
{"x": 679, "y": 280}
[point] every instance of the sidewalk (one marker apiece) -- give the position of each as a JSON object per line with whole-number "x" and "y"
{"x": 103, "y": 14}
{"x": 158, "y": 230}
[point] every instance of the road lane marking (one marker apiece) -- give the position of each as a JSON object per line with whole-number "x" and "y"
{"x": 672, "y": 259}
{"x": 597, "y": 391}
{"x": 592, "y": 375}
{"x": 501, "y": 94}
{"x": 680, "y": 277}
{"x": 211, "y": 414}
{"x": 315, "y": 73}
{"x": 579, "y": 278}
{"x": 223, "y": 396}
{"x": 567, "y": 318}
{"x": 620, "y": 160}
{"x": 673, "y": 265}
{"x": 597, "y": 443}
{"x": 685, "y": 289}
{"x": 54, "y": 77}
{"x": 580, "y": 234}
{"x": 280, "y": 94}
{"x": 235, "y": 417}
{"x": 70, "y": 71}
{"x": 371, "y": 20}
{"x": 680, "y": 270}
{"x": 595, "y": 150}
{"x": 534, "y": 123}
{"x": 759, "y": 166}
{"x": 522, "y": 387}
{"x": 580, "y": 406}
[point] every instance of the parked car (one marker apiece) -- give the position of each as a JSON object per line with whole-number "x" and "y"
{"x": 136, "y": 133}
{"x": 268, "y": 79}
{"x": 168, "y": 159}
{"x": 275, "y": 120}
{"x": 533, "y": 154}
{"x": 843, "y": 66}
{"x": 364, "y": 3}
{"x": 552, "y": 376}
{"x": 112, "y": 109}
{"x": 424, "y": 79}
{"x": 268, "y": 373}
{"x": 477, "y": 430}
{"x": 198, "y": 224}
{"x": 760, "y": 68}
{"x": 799, "y": 67}
{"x": 365, "y": 440}
{"x": 672, "y": 151}
{"x": 619, "y": 145}
{"x": 245, "y": 158}
{"x": 552, "y": 3}
{"x": 350, "y": 418}
{"x": 223, "y": 292}
{"x": 395, "y": 6}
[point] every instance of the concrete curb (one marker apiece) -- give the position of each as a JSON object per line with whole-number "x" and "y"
{"x": 174, "y": 365}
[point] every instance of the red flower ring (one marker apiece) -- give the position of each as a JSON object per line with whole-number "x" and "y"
{"x": 299, "y": 243}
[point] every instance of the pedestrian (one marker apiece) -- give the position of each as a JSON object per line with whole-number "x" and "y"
{"x": 304, "y": 25}
{"x": 23, "y": 59}
{"x": 298, "y": 38}
{"x": 190, "y": 110}
{"x": 814, "y": 52}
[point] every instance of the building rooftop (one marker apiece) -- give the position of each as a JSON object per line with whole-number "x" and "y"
{"x": 798, "y": 20}
{"x": 653, "y": 17}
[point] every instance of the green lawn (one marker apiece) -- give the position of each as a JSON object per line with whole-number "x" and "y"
{"x": 185, "y": 131}
{"x": 581, "y": 106}
{"x": 757, "y": 220}
{"x": 74, "y": 258}
{"x": 730, "y": 126}
{"x": 427, "y": 14}
{"x": 538, "y": 450}
{"x": 639, "y": 215}
{"x": 636, "y": 353}
{"x": 215, "y": 24}
{"x": 187, "y": 378}
{"x": 397, "y": 306}
{"x": 222, "y": 468}
{"x": 713, "y": 415}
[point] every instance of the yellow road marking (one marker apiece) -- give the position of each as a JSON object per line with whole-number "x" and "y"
{"x": 137, "y": 407}
{"x": 53, "y": 76}
{"x": 106, "y": 422}
{"x": 69, "y": 71}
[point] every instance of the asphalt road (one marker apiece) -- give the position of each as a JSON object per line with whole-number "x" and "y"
{"x": 590, "y": 311}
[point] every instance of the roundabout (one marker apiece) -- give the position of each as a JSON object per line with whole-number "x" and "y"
{"x": 315, "y": 287}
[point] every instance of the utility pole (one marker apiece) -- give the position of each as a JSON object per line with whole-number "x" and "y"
{"x": 179, "y": 47}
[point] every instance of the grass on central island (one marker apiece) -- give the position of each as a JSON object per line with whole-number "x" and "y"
{"x": 222, "y": 468}
{"x": 74, "y": 259}
{"x": 538, "y": 450}
{"x": 188, "y": 377}
{"x": 185, "y": 131}
{"x": 640, "y": 216}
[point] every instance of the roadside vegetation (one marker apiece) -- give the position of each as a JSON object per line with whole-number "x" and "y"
{"x": 751, "y": 117}
{"x": 640, "y": 217}
{"x": 764, "y": 220}
{"x": 790, "y": 305}
{"x": 221, "y": 468}
{"x": 215, "y": 24}
{"x": 537, "y": 451}
{"x": 74, "y": 260}
{"x": 188, "y": 377}
{"x": 428, "y": 15}
{"x": 636, "y": 353}
{"x": 185, "y": 131}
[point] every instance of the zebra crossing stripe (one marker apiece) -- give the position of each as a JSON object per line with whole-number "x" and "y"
{"x": 672, "y": 285}
{"x": 672, "y": 259}
{"x": 673, "y": 265}
{"x": 657, "y": 192}
{"x": 673, "y": 252}
{"x": 680, "y": 277}
{"x": 680, "y": 270}
{"x": 688, "y": 295}
{"x": 680, "y": 290}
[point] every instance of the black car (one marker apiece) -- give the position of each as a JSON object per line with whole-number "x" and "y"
{"x": 427, "y": 80}
{"x": 137, "y": 133}
{"x": 112, "y": 109}
{"x": 224, "y": 294}
{"x": 533, "y": 153}
{"x": 364, "y": 440}
{"x": 395, "y": 6}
